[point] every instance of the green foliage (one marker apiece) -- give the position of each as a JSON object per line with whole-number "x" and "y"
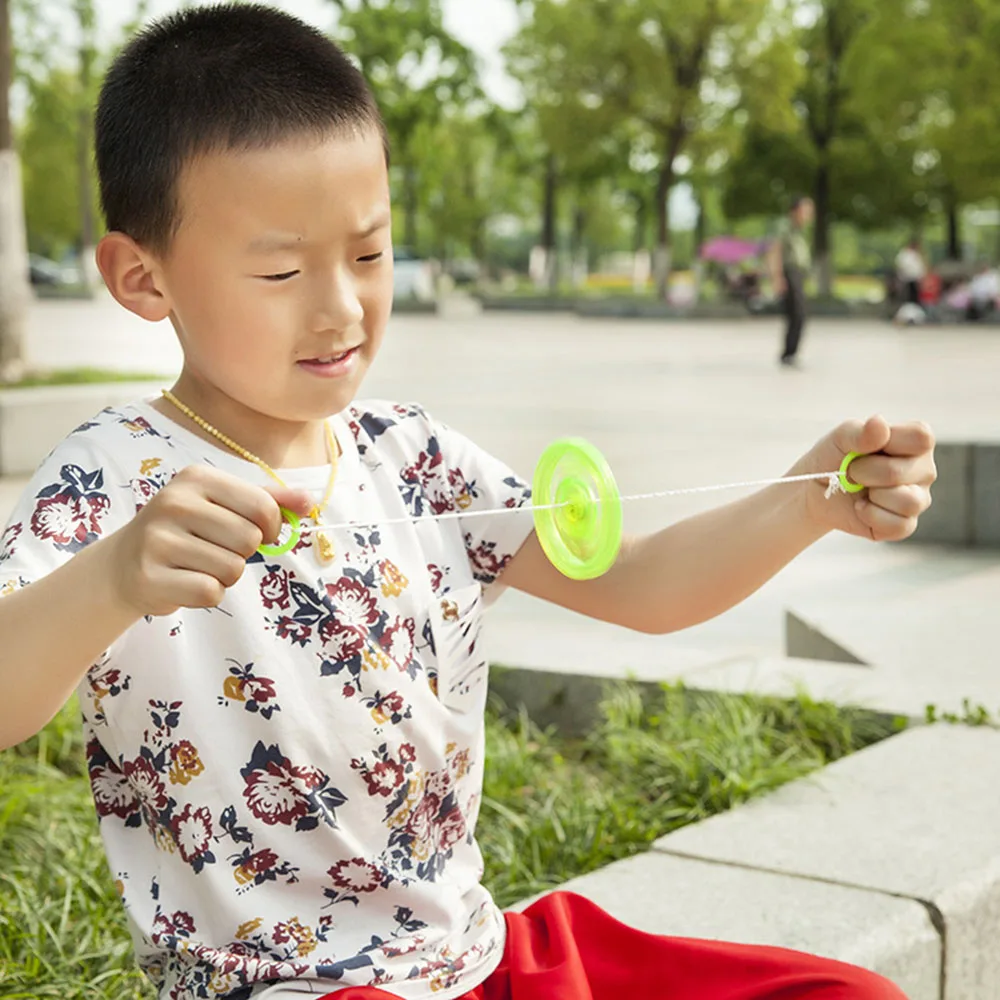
{"x": 51, "y": 172}
{"x": 79, "y": 376}
{"x": 62, "y": 930}
{"x": 553, "y": 809}
{"x": 623, "y": 86}
{"x": 887, "y": 110}
{"x": 971, "y": 715}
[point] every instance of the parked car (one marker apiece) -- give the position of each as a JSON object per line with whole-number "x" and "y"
{"x": 414, "y": 277}
{"x": 42, "y": 271}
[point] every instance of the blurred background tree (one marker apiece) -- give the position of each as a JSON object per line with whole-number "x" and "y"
{"x": 643, "y": 128}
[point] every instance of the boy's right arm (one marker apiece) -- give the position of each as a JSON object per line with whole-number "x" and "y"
{"x": 185, "y": 548}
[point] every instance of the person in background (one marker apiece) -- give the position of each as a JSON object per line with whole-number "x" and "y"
{"x": 984, "y": 292}
{"x": 790, "y": 261}
{"x": 911, "y": 269}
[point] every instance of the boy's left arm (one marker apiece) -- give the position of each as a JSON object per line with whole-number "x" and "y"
{"x": 700, "y": 567}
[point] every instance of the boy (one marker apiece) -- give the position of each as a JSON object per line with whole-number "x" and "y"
{"x": 286, "y": 751}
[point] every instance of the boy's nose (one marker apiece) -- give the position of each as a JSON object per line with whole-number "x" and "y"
{"x": 340, "y": 308}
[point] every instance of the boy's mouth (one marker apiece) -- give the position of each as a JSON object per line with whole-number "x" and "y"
{"x": 331, "y": 365}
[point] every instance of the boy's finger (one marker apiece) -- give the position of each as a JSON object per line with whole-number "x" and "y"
{"x": 863, "y": 436}
{"x": 297, "y": 501}
{"x": 883, "y": 525}
{"x": 886, "y": 471}
{"x": 914, "y": 438}
{"x": 904, "y": 501}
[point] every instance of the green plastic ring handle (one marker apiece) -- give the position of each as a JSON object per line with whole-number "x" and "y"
{"x": 295, "y": 523}
{"x": 845, "y": 483}
{"x": 583, "y": 536}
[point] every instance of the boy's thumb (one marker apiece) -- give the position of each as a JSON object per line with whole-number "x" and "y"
{"x": 297, "y": 501}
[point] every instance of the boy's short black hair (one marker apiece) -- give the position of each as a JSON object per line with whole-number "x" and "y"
{"x": 230, "y": 76}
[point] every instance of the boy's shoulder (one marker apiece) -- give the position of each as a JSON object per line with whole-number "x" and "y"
{"x": 380, "y": 423}
{"x": 110, "y": 435}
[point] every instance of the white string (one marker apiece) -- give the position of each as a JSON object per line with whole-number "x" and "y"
{"x": 833, "y": 479}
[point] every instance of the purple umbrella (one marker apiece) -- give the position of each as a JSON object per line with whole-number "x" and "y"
{"x": 730, "y": 250}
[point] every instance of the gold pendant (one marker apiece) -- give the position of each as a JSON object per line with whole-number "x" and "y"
{"x": 325, "y": 551}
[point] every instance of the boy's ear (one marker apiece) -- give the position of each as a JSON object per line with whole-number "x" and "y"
{"x": 132, "y": 277}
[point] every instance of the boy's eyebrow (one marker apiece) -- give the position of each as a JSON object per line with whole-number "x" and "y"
{"x": 273, "y": 242}
{"x": 381, "y": 221}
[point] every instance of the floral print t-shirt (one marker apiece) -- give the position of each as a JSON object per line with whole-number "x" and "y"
{"x": 288, "y": 784}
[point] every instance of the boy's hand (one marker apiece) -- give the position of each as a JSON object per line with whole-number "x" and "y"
{"x": 897, "y": 467}
{"x": 190, "y": 543}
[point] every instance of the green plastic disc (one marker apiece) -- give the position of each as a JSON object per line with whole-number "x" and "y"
{"x": 583, "y": 538}
{"x": 283, "y": 548}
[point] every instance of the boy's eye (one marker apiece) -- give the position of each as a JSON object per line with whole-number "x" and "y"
{"x": 371, "y": 258}
{"x": 279, "y": 277}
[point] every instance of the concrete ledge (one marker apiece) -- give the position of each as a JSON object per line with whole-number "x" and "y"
{"x": 914, "y": 817}
{"x": 949, "y": 519}
{"x": 966, "y": 509}
{"x": 985, "y": 505}
{"x": 683, "y": 897}
{"x": 570, "y": 702}
{"x": 34, "y": 421}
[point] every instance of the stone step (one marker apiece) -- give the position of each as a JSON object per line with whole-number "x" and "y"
{"x": 914, "y": 817}
{"x": 684, "y": 897}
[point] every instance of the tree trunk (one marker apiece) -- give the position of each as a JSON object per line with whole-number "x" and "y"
{"x": 410, "y": 207}
{"x": 640, "y": 257}
{"x": 87, "y": 229}
{"x": 954, "y": 229}
{"x": 550, "y": 209}
{"x": 478, "y": 244}
{"x": 14, "y": 289}
{"x": 701, "y": 225}
{"x": 662, "y": 259}
{"x": 700, "y": 237}
{"x": 823, "y": 262}
{"x": 579, "y": 252}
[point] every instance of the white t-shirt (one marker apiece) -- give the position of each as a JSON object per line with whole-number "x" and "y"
{"x": 910, "y": 265}
{"x": 288, "y": 785}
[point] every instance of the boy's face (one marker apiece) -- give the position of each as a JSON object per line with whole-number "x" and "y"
{"x": 280, "y": 274}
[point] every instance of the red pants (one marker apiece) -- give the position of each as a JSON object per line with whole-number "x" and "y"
{"x": 566, "y": 948}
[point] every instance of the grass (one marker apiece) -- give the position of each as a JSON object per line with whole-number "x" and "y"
{"x": 78, "y": 376}
{"x": 552, "y": 809}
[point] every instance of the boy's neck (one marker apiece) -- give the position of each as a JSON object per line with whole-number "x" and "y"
{"x": 281, "y": 444}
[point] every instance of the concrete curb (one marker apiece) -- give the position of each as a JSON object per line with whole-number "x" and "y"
{"x": 913, "y": 817}
{"x": 692, "y": 898}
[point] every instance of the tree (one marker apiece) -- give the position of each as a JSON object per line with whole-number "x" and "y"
{"x": 86, "y": 98}
{"x": 61, "y": 76}
{"x": 674, "y": 68}
{"x": 950, "y": 109}
{"x": 472, "y": 174}
{"x": 859, "y": 165}
{"x": 576, "y": 143}
{"x": 50, "y": 148}
{"x": 418, "y": 72}
{"x": 14, "y": 291}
